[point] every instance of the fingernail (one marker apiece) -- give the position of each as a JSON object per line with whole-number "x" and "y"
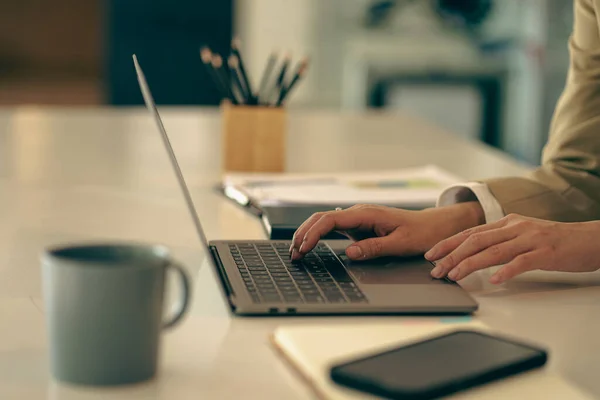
{"x": 436, "y": 272}
{"x": 295, "y": 255}
{"x": 291, "y": 249}
{"x": 430, "y": 255}
{"x": 354, "y": 252}
{"x": 302, "y": 247}
{"x": 496, "y": 279}
{"x": 453, "y": 274}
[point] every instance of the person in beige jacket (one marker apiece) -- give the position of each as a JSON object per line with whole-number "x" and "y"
{"x": 544, "y": 220}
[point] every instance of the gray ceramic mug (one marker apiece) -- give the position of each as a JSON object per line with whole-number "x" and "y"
{"x": 104, "y": 310}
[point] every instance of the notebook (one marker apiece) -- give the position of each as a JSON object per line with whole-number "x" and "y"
{"x": 312, "y": 349}
{"x": 408, "y": 188}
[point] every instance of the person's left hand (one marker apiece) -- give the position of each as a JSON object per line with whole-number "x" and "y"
{"x": 522, "y": 244}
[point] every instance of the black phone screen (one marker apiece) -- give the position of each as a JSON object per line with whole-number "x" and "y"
{"x": 439, "y": 366}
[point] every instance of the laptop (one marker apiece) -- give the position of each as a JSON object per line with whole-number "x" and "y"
{"x": 258, "y": 277}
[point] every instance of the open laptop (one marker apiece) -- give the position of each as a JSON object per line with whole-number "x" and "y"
{"x": 258, "y": 277}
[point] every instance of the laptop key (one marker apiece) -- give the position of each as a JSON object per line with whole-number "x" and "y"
{"x": 261, "y": 278}
{"x": 306, "y": 285}
{"x": 299, "y": 273}
{"x": 310, "y": 292}
{"x": 323, "y": 280}
{"x": 314, "y": 299}
{"x": 304, "y": 280}
{"x": 286, "y": 287}
{"x": 278, "y": 272}
{"x": 357, "y": 296}
{"x": 269, "y": 291}
{"x": 334, "y": 298}
{"x": 259, "y": 272}
{"x": 264, "y": 285}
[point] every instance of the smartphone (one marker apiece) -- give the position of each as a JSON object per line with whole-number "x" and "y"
{"x": 439, "y": 366}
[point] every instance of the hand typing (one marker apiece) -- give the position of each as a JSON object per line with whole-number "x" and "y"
{"x": 385, "y": 231}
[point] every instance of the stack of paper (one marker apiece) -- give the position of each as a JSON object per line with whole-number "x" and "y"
{"x": 417, "y": 187}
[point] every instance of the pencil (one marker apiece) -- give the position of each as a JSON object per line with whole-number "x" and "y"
{"x": 233, "y": 62}
{"x": 235, "y": 49}
{"x": 301, "y": 70}
{"x": 206, "y": 57}
{"x": 223, "y": 76}
{"x": 265, "y": 78}
{"x": 279, "y": 81}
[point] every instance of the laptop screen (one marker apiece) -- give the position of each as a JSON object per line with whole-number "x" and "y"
{"x": 180, "y": 179}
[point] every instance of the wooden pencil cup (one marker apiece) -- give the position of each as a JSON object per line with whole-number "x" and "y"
{"x": 254, "y": 138}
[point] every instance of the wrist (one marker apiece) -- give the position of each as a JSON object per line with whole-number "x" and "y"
{"x": 473, "y": 214}
{"x": 458, "y": 217}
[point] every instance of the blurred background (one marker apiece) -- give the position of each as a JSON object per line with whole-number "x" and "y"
{"x": 484, "y": 69}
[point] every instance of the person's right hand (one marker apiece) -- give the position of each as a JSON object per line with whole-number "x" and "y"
{"x": 384, "y": 231}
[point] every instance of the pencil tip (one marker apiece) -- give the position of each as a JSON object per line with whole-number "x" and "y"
{"x": 205, "y": 54}
{"x": 232, "y": 61}
{"x": 217, "y": 61}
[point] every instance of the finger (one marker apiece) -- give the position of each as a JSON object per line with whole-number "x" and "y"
{"x": 473, "y": 244}
{"x": 306, "y": 225}
{"x": 301, "y": 231}
{"x": 340, "y": 220}
{"x": 494, "y": 255}
{"x": 372, "y": 248}
{"x": 446, "y": 246}
{"x": 523, "y": 263}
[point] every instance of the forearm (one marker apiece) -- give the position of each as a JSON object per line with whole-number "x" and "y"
{"x": 567, "y": 185}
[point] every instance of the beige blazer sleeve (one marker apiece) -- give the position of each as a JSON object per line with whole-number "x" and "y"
{"x": 567, "y": 185}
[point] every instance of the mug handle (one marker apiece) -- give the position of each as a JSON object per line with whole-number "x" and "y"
{"x": 185, "y": 295}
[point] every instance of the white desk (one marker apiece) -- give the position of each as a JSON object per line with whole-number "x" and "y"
{"x": 85, "y": 174}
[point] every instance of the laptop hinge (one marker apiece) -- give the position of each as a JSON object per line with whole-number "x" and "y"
{"x": 229, "y": 294}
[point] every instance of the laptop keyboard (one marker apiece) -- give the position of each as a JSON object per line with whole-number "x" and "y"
{"x": 271, "y": 277}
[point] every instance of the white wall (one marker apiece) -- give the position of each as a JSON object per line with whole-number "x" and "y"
{"x": 286, "y": 26}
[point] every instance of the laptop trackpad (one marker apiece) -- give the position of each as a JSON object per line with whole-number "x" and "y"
{"x": 392, "y": 271}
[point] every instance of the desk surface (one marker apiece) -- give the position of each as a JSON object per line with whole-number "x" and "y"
{"x": 68, "y": 175}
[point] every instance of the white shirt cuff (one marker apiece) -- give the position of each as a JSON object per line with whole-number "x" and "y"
{"x": 472, "y": 191}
